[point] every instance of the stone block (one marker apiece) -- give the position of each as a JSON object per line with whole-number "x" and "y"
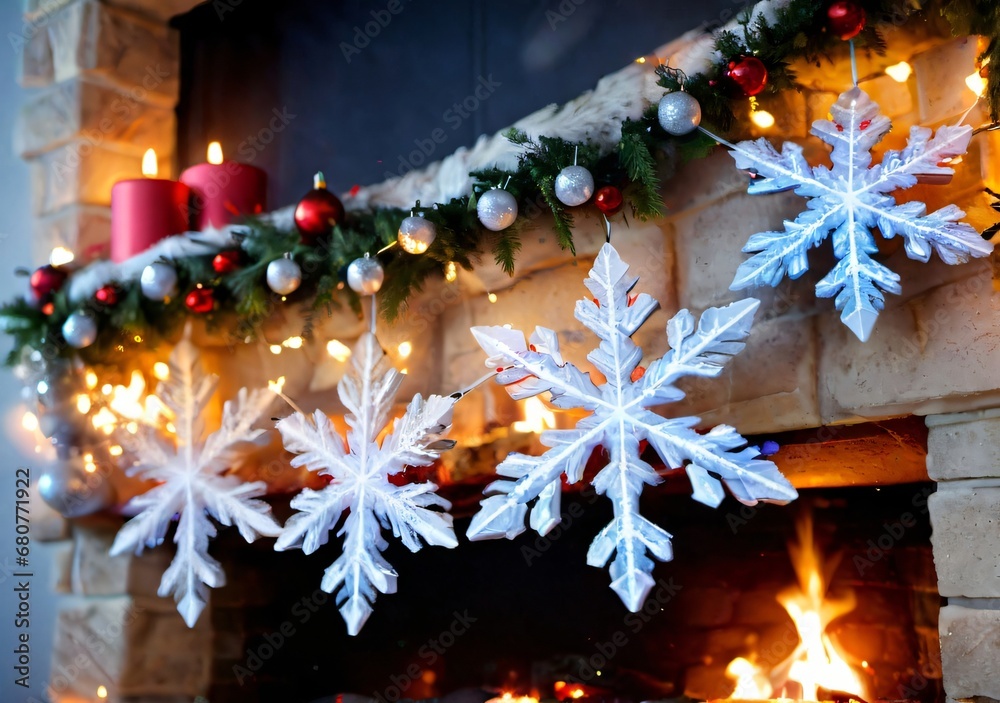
{"x": 92, "y": 38}
{"x": 180, "y": 663}
{"x": 941, "y": 73}
{"x": 59, "y": 555}
{"x": 47, "y": 525}
{"x": 82, "y": 174}
{"x": 95, "y": 571}
{"x": 702, "y": 182}
{"x": 789, "y": 110}
{"x": 83, "y": 229}
{"x": 970, "y": 650}
{"x": 966, "y": 540}
{"x": 768, "y": 387}
{"x": 964, "y": 445}
{"x": 708, "y": 245}
{"x": 82, "y": 109}
{"x": 899, "y": 370}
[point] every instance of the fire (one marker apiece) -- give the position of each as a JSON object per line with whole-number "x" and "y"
{"x": 815, "y": 663}
{"x": 537, "y": 417}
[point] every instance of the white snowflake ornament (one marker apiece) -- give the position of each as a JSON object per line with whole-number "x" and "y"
{"x": 360, "y": 481}
{"x": 194, "y": 485}
{"x": 850, "y": 201}
{"x": 620, "y": 419}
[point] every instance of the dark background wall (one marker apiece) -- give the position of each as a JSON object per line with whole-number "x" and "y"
{"x": 365, "y": 97}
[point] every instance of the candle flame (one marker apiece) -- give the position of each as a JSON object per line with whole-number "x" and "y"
{"x": 150, "y": 168}
{"x": 215, "y": 153}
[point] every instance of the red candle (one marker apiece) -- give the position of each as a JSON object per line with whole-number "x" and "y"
{"x": 145, "y": 210}
{"x": 224, "y": 190}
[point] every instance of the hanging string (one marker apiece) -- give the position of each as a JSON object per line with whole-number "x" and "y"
{"x": 607, "y": 225}
{"x": 854, "y": 64}
{"x": 458, "y": 395}
{"x": 374, "y": 314}
{"x": 717, "y": 138}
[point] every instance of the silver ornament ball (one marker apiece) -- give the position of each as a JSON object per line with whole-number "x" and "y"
{"x": 365, "y": 276}
{"x": 66, "y": 486}
{"x": 574, "y": 186}
{"x": 80, "y": 330}
{"x": 284, "y": 276}
{"x": 158, "y": 281}
{"x": 497, "y": 209}
{"x": 679, "y": 113}
{"x": 416, "y": 234}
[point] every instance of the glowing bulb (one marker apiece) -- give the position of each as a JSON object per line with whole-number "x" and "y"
{"x": 293, "y": 343}
{"x": 492, "y": 297}
{"x": 91, "y": 379}
{"x": 102, "y": 692}
{"x": 60, "y": 256}
{"x": 762, "y": 118}
{"x": 106, "y": 389}
{"x": 150, "y": 168}
{"x": 276, "y": 386}
{"x": 115, "y": 450}
{"x": 132, "y": 427}
{"x": 88, "y": 463}
{"x": 641, "y": 59}
{"x": 275, "y": 349}
{"x": 405, "y": 371}
{"x": 899, "y": 72}
{"x": 161, "y": 371}
{"x": 450, "y": 272}
{"x": 83, "y": 404}
{"x": 976, "y": 83}
{"x": 576, "y": 693}
{"x": 338, "y": 350}
{"x": 169, "y": 427}
{"x": 29, "y": 422}
{"x": 537, "y": 418}
{"x": 215, "y": 153}
{"x": 404, "y": 350}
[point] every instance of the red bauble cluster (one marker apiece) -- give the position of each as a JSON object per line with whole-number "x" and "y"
{"x": 609, "y": 200}
{"x": 749, "y": 73}
{"x": 200, "y": 301}
{"x": 318, "y": 211}
{"x": 107, "y": 295}
{"x": 226, "y": 261}
{"x": 45, "y": 281}
{"x": 846, "y": 19}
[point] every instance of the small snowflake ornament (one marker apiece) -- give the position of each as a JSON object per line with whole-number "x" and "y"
{"x": 620, "y": 419}
{"x": 850, "y": 201}
{"x": 360, "y": 481}
{"x": 194, "y": 483}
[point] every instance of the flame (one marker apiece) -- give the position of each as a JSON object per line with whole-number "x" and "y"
{"x": 536, "y": 417}
{"x": 509, "y": 697}
{"x": 215, "y": 153}
{"x": 150, "y": 168}
{"x": 815, "y": 663}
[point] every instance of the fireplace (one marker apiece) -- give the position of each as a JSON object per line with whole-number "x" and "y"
{"x": 892, "y": 444}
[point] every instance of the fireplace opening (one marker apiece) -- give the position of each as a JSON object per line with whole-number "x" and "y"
{"x": 528, "y": 618}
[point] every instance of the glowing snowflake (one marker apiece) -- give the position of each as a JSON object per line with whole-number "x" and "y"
{"x": 620, "y": 420}
{"x": 852, "y": 199}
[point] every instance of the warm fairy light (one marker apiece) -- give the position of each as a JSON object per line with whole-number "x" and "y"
{"x": 115, "y": 450}
{"x": 899, "y": 72}
{"x": 104, "y": 420}
{"x": 641, "y": 59}
{"x": 150, "y": 168}
{"x": 492, "y": 297}
{"x": 102, "y": 692}
{"x": 83, "y": 404}
{"x": 275, "y": 349}
{"x": 404, "y": 350}
{"x": 60, "y": 256}
{"x": 29, "y": 422}
{"x": 276, "y": 386}
{"x": 42, "y": 388}
{"x": 137, "y": 339}
{"x": 450, "y": 272}
{"x": 161, "y": 371}
{"x": 293, "y": 343}
{"x": 170, "y": 428}
{"x": 215, "y": 153}
{"x": 106, "y": 389}
{"x": 762, "y": 118}
{"x": 537, "y": 417}
{"x": 976, "y": 83}
{"x": 405, "y": 372}
{"x": 88, "y": 463}
{"x": 576, "y": 693}
{"x": 338, "y": 350}
{"x": 91, "y": 380}
{"x": 132, "y": 427}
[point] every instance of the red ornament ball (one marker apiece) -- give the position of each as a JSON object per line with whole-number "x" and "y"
{"x": 846, "y": 19}
{"x": 318, "y": 211}
{"x": 45, "y": 281}
{"x": 226, "y": 261}
{"x": 749, "y": 73}
{"x": 200, "y": 300}
{"x": 107, "y": 295}
{"x": 609, "y": 200}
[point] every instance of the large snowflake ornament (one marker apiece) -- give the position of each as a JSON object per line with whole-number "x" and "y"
{"x": 361, "y": 482}
{"x": 620, "y": 419}
{"x": 852, "y": 199}
{"x": 191, "y": 468}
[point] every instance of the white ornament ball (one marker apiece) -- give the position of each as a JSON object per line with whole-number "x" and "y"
{"x": 66, "y": 486}
{"x": 574, "y": 186}
{"x": 284, "y": 276}
{"x": 158, "y": 281}
{"x": 679, "y": 113}
{"x": 416, "y": 234}
{"x": 80, "y": 330}
{"x": 365, "y": 276}
{"x": 497, "y": 209}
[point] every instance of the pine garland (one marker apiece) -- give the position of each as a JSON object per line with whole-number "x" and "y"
{"x": 798, "y": 31}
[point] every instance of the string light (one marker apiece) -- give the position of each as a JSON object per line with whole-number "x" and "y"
{"x": 899, "y": 72}
{"x": 83, "y": 404}
{"x": 275, "y": 349}
{"x": 115, "y": 450}
{"x": 276, "y": 386}
{"x": 29, "y": 422}
{"x": 102, "y": 692}
{"x": 161, "y": 372}
{"x": 450, "y": 272}
{"x": 293, "y": 343}
{"x": 761, "y": 118}
{"x": 88, "y": 463}
{"x": 641, "y": 59}
{"x": 60, "y": 256}
{"x": 338, "y": 350}
{"x": 106, "y": 389}
{"x": 976, "y": 83}
{"x": 492, "y": 297}
{"x": 91, "y": 379}
{"x": 404, "y": 350}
